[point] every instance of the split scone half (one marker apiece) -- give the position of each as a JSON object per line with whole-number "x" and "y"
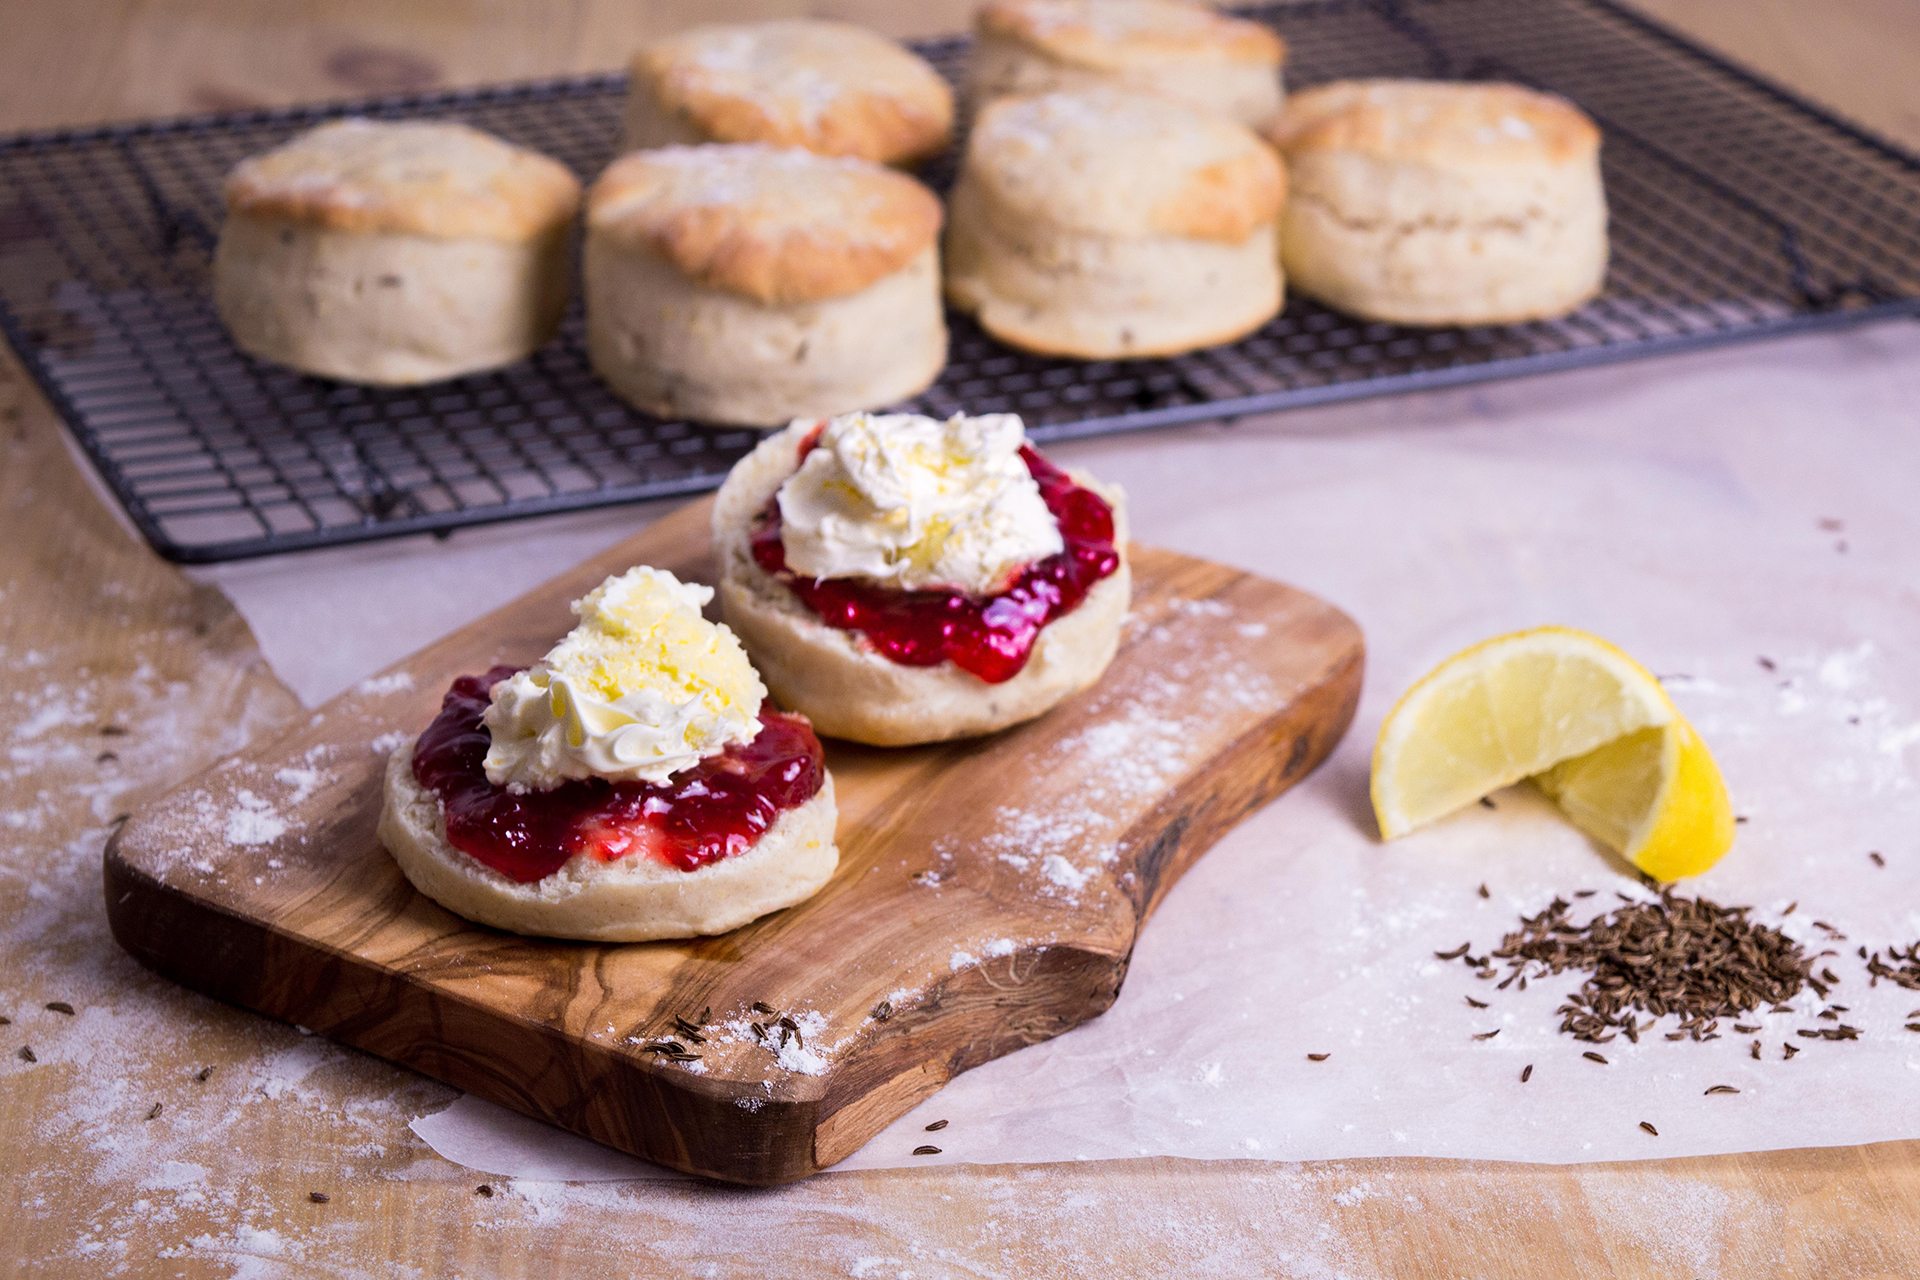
{"x": 850, "y": 548}
{"x": 629, "y": 785}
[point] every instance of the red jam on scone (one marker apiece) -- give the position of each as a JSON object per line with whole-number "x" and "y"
{"x": 936, "y": 541}
{"x": 717, "y": 808}
{"x": 643, "y": 733}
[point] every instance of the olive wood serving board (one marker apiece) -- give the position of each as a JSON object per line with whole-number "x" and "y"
{"x": 989, "y": 892}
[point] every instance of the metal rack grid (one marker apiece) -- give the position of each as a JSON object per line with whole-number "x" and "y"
{"x": 1739, "y": 210}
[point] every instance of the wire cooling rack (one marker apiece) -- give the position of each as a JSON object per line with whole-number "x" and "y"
{"x": 1739, "y": 210}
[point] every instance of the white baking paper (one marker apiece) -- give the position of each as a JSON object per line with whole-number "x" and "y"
{"x": 1704, "y": 512}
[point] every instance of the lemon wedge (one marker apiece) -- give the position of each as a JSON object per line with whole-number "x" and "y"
{"x": 1655, "y": 796}
{"x": 1588, "y": 723}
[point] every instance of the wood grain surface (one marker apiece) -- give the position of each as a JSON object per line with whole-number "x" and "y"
{"x": 153, "y": 648}
{"x": 944, "y": 853}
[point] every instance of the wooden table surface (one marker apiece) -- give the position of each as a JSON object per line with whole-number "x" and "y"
{"x": 98, "y": 636}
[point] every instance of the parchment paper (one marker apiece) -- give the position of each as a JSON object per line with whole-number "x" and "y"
{"x": 1703, "y": 512}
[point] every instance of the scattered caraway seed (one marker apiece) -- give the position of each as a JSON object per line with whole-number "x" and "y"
{"x": 318, "y": 1197}
{"x": 5, "y": 1021}
{"x": 926, "y": 1151}
{"x": 1767, "y": 664}
{"x": 1753, "y": 1051}
{"x": 1591, "y": 1056}
{"x": 1789, "y": 1050}
{"x": 1740, "y": 819}
{"x": 1900, "y": 966}
{"x": 936, "y": 1126}
{"x": 1318, "y": 1057}
{"x": 1720, "y": 1088}
{"x": 203, "y": 1074}
{"x": 113, "y": 731}
{"x": 26, "y": 1053}
{"x": 483, "y": 1190}
{"x": 761, "y": 1006}
{"x": 1649, "y": 959}
{"x": 1486, "y": 802}
{"x": 1488, "y": 1035}
{"x": 1483, "y": 890}
{"x": 106, "y": 757}
{"x": 155, "y": 1113}
{"x": 883, "y": 1011}
{"x": 60, "y": 1006}
{"x": 1526, "y": 1073}
{"x": 1475, "y": 1004}
{"x": 1913, "y": 1026}
{"x": 1649, "y": 1128}
{"x": 1875, "y": 857}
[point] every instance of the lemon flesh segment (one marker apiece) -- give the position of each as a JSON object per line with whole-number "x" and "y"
{"x": 1503, "y": 711}
{"x": 1655, "y": 796}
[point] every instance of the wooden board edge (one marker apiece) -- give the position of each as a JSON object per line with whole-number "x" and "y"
{"x": 631, "y": 1112}
{"x": 1172, "y": 836}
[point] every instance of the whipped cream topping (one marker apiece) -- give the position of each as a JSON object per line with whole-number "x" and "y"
{"x": 642, "y": 688}
{"x": 915, "y": 503}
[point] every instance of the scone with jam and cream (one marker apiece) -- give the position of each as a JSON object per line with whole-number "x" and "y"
{"x": 900, "y": 579}
{"x": 631, "y": 784}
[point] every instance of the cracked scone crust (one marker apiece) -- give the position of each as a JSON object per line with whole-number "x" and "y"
{"x": 829, "y": 87}
{"x": 850, "y": 692}
{"x": 1430, "y": 203}
{"x": 1170, "y": 48}
{"x": 1107, "y": 224}
{"x": 631, "y": 900}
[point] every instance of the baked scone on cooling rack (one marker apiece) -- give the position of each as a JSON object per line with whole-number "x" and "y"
{"x": 1172, "y": 48}
{"x": 829, "y": 87}
{"x": 631, "y": 784}
{"x": 1105, "y": 224}
{"x": 395, "y": 252}
{"x": 1431, "y": 203}
{"x": 751, "y": 285}
{"x": 900, "y": 579}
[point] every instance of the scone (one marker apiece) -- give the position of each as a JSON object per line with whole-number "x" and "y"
{"x": 632, "y": 784}
{"x": 1428, "y": 203}
{"x": 394, "y": 252}
{"x": 752, "y": 285}
{"x": 1102, "y": 224}
{"x": 903, "y": 580}
{"x": 1178, "y": 50}
{"x": 828, "y": 87}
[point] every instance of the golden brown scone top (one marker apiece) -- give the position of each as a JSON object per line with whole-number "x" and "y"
{"x": 826, "y": 86}
{"x": 1114, "y": 34}
{"x": 1436, "y": 122}
{"x": 411, "y": 177}
{"x": 1107, "y": 161}
{"x": 775, "y": 224}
